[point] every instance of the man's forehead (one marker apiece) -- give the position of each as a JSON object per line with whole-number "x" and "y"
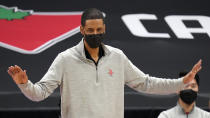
{"x": 90, "y": 22}
{"x": 193, "y": 82}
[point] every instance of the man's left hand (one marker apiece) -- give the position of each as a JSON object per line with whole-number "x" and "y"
{"x": 191, "y": 75}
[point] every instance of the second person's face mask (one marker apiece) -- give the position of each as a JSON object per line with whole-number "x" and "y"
{"x": 94, "y": 40}
{"x": 188, "y": 96}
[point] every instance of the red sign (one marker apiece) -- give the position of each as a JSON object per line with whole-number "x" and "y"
{"x": 32, "y": 32}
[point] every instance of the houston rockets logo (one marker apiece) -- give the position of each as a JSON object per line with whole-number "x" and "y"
{"x": 31, "y": 32}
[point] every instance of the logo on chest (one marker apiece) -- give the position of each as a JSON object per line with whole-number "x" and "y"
{"x": 110, "y": 72}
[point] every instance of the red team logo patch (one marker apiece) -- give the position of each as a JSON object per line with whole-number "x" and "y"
{"x": 31, "y": 32}
{"x": 110, "y": 72}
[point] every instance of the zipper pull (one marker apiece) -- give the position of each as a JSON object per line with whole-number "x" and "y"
{"x": 187, "y": 113}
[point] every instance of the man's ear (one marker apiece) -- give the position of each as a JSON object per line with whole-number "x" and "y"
{"x": 81, "y": 29}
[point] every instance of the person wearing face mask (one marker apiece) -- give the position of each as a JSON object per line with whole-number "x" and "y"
{"x": 209, "y": 103}
{"x": 186, "y": 106}
{"x": 92, "y": 75}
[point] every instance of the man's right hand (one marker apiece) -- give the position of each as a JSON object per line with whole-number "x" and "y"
{"x": 18, "y": 75}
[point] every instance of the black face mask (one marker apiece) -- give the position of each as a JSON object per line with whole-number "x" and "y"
{"x": 188, "y": 96}
{"x": 94, "y": 40}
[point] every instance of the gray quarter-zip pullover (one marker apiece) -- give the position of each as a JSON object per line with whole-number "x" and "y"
{"x": 90, "y": 91}
{"x": 178, "y": 112}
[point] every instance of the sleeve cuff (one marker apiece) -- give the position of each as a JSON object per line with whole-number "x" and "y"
{"x": 24, "y": 85}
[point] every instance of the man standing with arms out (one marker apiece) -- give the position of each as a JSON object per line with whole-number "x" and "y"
{"x": 92, "y": 76}
{"x": 186, "y": 107}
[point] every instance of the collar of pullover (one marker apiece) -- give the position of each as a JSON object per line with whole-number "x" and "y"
{"x": 100, "y": 54}
{"x": 182, "y": 110}
{"x": 81, "y": 50}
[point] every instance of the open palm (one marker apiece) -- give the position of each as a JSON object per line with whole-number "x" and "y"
{"x": 17, "y": 74}
{"x": 191, "y": 75}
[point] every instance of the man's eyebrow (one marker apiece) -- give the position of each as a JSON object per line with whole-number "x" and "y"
{"x": 89, "y": 28}
{"x": 190, "y": 84}
{"x": 194, "y": 84}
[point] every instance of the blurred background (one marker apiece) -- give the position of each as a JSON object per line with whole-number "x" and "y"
{"x": 161, "y": 38}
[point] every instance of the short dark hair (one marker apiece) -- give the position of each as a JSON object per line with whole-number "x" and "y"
{"x": 197, "y": 78}
{"x": 91, "y": 13}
